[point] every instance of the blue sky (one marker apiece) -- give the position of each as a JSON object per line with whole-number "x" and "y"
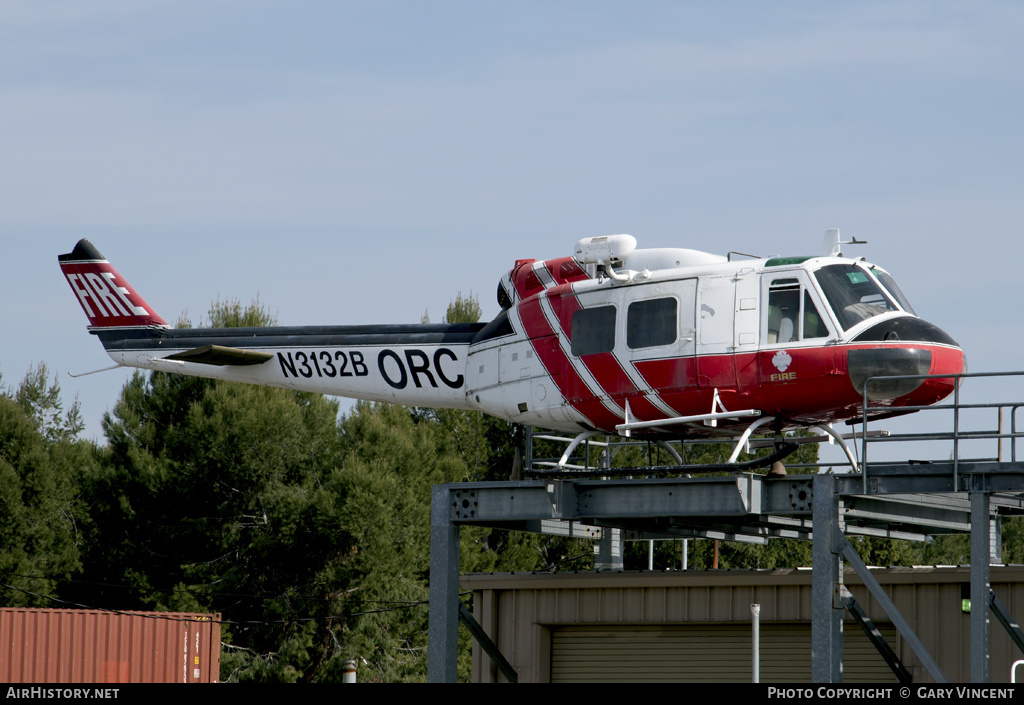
{"x": 364, "y": 161}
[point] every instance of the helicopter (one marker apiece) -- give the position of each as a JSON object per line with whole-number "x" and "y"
{"x": 651, "y": 343}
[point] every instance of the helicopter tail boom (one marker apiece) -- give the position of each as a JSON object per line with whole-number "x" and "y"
{"x": 419, "y": 364}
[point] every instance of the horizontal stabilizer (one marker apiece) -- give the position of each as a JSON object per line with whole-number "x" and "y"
{"x": 221, "y": 355}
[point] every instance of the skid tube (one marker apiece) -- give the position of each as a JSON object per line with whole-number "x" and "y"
{"x": 783, "y": 451}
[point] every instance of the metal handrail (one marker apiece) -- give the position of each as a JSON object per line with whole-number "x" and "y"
{"x": 956, "y": 435}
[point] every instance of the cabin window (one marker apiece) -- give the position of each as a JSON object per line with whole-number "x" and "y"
{"x": 593, "y": 330}
{"x": 652, "y": 323}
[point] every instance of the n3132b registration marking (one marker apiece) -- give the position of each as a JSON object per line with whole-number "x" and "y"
{"x": 397, "y": 369}
{"x": 323, "y": 363}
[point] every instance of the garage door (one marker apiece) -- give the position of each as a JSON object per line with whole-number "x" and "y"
{"x": 714, "y": 653}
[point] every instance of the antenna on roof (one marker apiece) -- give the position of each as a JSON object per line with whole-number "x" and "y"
{"x": 833, "y": 244}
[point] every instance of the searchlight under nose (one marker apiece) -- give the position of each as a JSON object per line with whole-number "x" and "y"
{"x": 865, "y": 363}
{"x": 906, "y": 350}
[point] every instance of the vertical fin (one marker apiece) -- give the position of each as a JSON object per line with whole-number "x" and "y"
{"x": 107, "y": 298}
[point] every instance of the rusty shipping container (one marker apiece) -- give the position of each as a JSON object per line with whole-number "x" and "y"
{"x": 90, "y": 646}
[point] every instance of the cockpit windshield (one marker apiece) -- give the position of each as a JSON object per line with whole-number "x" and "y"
{"x": 853, "y": 294}
{"x": 890, "y": 285}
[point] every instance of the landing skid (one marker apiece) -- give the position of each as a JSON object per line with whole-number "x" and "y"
{"x": 743, "y": 443}
{"x": 783, "y": 451}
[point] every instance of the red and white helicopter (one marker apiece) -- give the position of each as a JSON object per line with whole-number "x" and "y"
{"x": 651, "y": 343}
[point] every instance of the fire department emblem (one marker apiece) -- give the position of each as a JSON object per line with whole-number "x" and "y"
{"x": 782, "y": 360}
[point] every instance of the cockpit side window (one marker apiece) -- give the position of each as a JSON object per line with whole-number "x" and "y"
{"x": 792, "y": 314}
{"x": 853, "y": 294}
{"x": 783, "y": 310}
{"x": 813, "y": 324}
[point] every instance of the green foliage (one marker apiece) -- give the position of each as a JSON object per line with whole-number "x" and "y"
{"x": 44, "y": 518}
{"x": 311, "y": 533}
{"x": 1013, "y": 542}
{"x": 232, "y": 314}
{"x": 464, "y": 309}
{"x": 42, "y": 403}
{"x": 233, "y": 494}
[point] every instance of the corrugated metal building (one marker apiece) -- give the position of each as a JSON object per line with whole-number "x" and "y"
{"x": 696, "y": 625}
{"x": 90, "y": 646}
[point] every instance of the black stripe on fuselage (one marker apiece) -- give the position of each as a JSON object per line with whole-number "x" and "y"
{"x": 289, "y": 336}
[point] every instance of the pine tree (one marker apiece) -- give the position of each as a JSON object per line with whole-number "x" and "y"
{"x": 44, "y": 518}
{"x": 309, "y": 535}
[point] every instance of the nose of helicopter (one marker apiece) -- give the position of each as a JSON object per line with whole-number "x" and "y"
{"x": 905, "y": 350}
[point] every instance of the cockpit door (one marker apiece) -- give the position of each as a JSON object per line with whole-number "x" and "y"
{"x": 793, "y": 314}
{"x": 797, "y": 334}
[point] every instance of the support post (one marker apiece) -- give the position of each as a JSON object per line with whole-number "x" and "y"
{"x": 755, "y": 664}
{"x": 826, "y": 583}
{"x": 608, "y": 550}
{"x": 443, "y": 621}
{"x": 980, "y": 587}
